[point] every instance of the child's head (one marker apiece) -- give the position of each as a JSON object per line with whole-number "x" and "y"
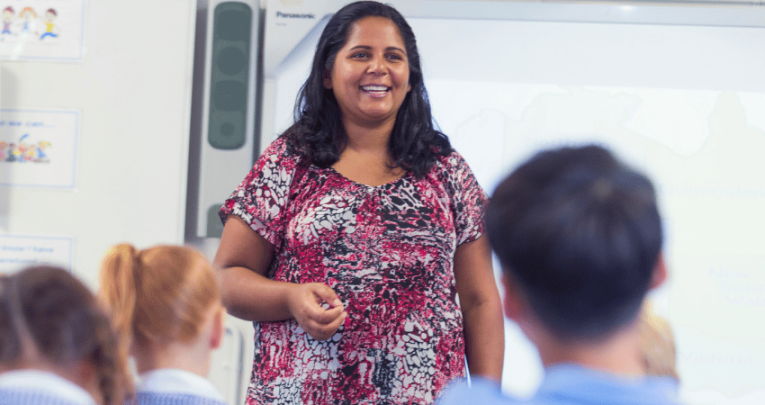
{"x": 160, "y": 295}
{"x": 51, "y": 321}
{"x": 579, "y": 234}
{"x": 28, "y": 13}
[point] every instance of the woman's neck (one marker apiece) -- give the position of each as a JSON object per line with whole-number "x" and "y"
{"x": 365, "y": 158}
{"x": 369, "y": 140}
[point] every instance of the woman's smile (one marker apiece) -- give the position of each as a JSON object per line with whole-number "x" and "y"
{"x": 375, "y": 90}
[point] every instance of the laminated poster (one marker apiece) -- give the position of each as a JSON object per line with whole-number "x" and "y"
{"x": 42, "y": 29}
{"x": 20, "y": 251}
{"x": 38, "y": 148}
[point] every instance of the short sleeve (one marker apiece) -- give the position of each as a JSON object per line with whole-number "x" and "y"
{"x": 262, "y": 198}
{"x": 468, "y": 199}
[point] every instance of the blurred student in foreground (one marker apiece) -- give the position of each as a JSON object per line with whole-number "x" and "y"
{"x": 579, "y": 238}
{"x": 167, "y": 308}
{"x": 57, "y": 345}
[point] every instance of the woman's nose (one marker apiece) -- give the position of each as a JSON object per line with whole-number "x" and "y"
{"x": 377, "y": 65}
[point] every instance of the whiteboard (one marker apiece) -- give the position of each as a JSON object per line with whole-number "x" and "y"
{"x": 676, "y": 91}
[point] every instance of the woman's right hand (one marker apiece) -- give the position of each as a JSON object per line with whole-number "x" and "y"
{"x": 242, "y": 260}
{"x": 317, "y": 309}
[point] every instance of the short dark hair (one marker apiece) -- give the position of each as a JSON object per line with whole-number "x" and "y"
{"x": 580, "y": 234}
{"x": 415, "y": 143}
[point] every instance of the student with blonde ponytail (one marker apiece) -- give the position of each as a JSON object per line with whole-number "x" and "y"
{"x": 167, "y": 308}
{"x": 57, "y": 344}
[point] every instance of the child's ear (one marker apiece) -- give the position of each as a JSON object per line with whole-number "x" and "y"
{"x": 511, "y": 302}
{"x": 659, "y": 272}
{"x": 219, "y": 328}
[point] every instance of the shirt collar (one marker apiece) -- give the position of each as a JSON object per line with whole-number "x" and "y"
{"x": 177, "y": 381}
{"x": 577, "y": 381}
{"x": 45, "y": 381}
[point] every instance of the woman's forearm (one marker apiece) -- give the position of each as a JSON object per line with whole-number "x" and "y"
{"x": 253, "y": 297}
{"x": 485, "y": 339}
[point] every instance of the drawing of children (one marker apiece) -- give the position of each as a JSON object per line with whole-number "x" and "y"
{"x": 28, "y": 15}
{"x": 21, "y": 152}
{"x": 50, "y": 16}
{"x": 3, "y": 145}
{"x": 31, "y": 154}
{"x": 41, "y": 156}
{"x": 8, "y": 14}
{"x": 11, "y": 153}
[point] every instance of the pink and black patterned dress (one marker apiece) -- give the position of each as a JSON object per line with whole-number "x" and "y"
{"x": 387, "y": 252}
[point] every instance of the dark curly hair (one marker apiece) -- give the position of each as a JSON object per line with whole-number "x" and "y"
{"x": 318, "y": 133}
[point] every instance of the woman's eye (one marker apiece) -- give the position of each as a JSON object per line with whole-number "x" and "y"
{"x": 359, "y": 55}
{"x": 395, "y": 56}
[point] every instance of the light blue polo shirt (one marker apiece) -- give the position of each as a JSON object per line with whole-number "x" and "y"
{"x": 569, "y": 384}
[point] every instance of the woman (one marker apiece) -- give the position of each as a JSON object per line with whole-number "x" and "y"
{"x": 356, "y": 228}
{"x": 57, "y": 345}
{"x": 167, "y": 309}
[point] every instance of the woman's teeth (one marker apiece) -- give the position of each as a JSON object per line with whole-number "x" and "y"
{"x": 375, "y": 88}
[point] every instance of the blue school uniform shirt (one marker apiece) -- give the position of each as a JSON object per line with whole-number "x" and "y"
{"x": 34, "y": 387}
{"x": 176, "y": 387}
{"x": 571, "y": 385}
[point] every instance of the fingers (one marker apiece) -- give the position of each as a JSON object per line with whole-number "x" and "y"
{"x": 317, "y": 309}
{"x": 321, "y": 331}
{"x": 326, "y": 294}
{"x": 326, "y": 316}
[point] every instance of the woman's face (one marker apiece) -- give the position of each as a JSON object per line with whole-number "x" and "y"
{"x": 370, "y": 76}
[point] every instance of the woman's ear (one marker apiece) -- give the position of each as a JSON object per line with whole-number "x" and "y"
{"x": 218, "y": 328}
{"x": 659, "y": 272}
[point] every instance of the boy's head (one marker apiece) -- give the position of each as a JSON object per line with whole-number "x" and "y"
{"x": 579, "y": 236}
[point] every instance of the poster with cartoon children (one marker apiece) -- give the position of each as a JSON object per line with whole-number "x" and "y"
{"x": 38, "y": 148}
{"x": 42, "y": 29}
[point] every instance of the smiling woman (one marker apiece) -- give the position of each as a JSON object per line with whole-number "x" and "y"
{"x": 355, "y": 231}
{"x": 370, "y": 76}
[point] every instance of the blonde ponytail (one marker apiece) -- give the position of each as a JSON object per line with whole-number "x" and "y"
{"x": 118, "y": 291}
{"x": 158, "y": 294}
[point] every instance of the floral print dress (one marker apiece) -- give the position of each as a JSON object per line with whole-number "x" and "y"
{"x": 387, "y": 252}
